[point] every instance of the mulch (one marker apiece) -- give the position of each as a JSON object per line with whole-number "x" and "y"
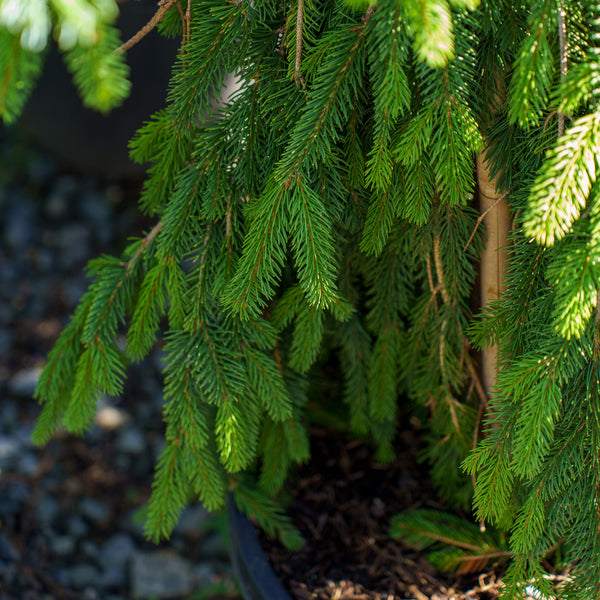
{"x": 343, "y": 503}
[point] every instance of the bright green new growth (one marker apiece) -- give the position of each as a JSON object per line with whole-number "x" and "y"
{"x": 326, "y": 216}
{"x": 85, "y": 35}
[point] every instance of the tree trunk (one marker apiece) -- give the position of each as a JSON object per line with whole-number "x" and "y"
{"x": 494, "y": 256}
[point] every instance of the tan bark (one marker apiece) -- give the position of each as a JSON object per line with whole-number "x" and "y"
{"x": 493, "y": 258}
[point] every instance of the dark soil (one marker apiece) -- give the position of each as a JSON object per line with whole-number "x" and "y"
{"x": 343, "y": 503}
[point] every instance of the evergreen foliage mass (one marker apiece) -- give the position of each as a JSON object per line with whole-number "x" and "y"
{"x": 327, "y": 214}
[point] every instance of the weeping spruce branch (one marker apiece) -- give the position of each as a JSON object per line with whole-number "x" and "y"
{"x": 330, "y": 207}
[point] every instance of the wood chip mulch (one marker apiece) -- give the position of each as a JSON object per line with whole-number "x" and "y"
{"x": 343, "y": 503}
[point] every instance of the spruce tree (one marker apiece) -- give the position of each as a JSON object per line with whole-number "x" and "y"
{"x": 331, "y": 208}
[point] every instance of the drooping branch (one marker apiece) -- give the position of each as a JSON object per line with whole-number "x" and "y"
{"x": 163, "y": 7}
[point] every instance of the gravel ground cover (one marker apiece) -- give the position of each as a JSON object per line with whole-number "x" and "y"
{"x": 70, "y": 512}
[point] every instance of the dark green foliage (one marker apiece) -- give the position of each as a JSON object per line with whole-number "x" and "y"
{"x": 329, "y": 207}
{"x": 20, "y": 68}
{"x": 452, "y": 544}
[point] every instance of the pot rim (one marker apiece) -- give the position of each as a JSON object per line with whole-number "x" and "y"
{"x": 254, "y": 573}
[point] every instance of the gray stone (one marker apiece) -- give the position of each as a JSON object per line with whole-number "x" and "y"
{"x": 43, "y": 260}
{"x": 7, "y": 550}
{"x": 47, "y": 510}
{"x": 65, "y": 186}
{"x": 73, "y": 240}
{"x": 161, "y": 574}
{"x": 20, "y": 228}
{"x": 90, "y": 550}
{"x": 23, "y": 434}
{"x": 28, "y": 464}
{"x": 63, "y": 545}
{"x": 94, "y": 510}
{"x": 14, "y": 494}
{"x": 117, "y": 550}
{"x": 72, "y": 290}
{"x": 131, "y": 441}
{"x": 89, "y": 594}
{"x": 204, "y": 575}
{"x": 192, "y": 522}
{"x": 123, "y": 462}
{"x": 6, "y": 341}
{"x": 9, "y": 413}
{"x": 9, "y": 452}
{"x": 112, "y": 577}
{"x": 63, "y": 577}
{"x": 77, "y": 527}
{"x": 23, "y": 383}
{"x": 96, "y": 211}
{"x": 11, "y": 574}
{"x": 57, "y": 205}
{"x": 82, "y": 575}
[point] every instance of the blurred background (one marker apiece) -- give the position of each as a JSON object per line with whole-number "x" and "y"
{"x": 71, "y": 523}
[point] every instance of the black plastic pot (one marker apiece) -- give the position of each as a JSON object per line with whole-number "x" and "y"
{"x": 253, "y": 571}
{"x": 83, "y": 139}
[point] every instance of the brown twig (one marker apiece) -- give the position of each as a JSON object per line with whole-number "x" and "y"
{"x": 439, "y": 269}
{"x": 145, "y": 243}
{"x": 480, "y": 219}
{"x": 367, "y": 16}
{"x": 163, "y": 7}
{"x": 483, "y": 398}
{"x": 597, "y": 327}
{"x": 562, "y": 42}
{"x": 186, "y": 20}
{"x": 434, "y": 289}
{"x": 299, "y": 31}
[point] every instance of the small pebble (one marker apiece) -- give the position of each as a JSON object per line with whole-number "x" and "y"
{"x": 192, "y": 522}
{"x": 20, "y": 228}
{"x": 204, "y": 575}
{"x": 24, "y": 382}
{"x": 10, "y": 450}
{"x": 8, "y": 552}
{"x": 117, "y": 550}
{"x": 74, "y": 245}
{"x": 94, "y": 510}
{"x": 90, "y": 550}
{"x": 9, "y": 414}
{"x": 109, "y": 417}
{"x": 29, "y": 464}
{"x": 77, "y": 527}
{"x": 82, "y": 575}
{"x": 63, "y": 545}
{"x": 47, "y": 509}
{"x": 112, "y": 577}
{"x": 161, "y": 574}
{"x": 6, "y": 341}
{"x": 13, "y": 496}
{"x": 131, "y": 441}
{"x": 89, "y": 594}
{"x": 56, "y": 206}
